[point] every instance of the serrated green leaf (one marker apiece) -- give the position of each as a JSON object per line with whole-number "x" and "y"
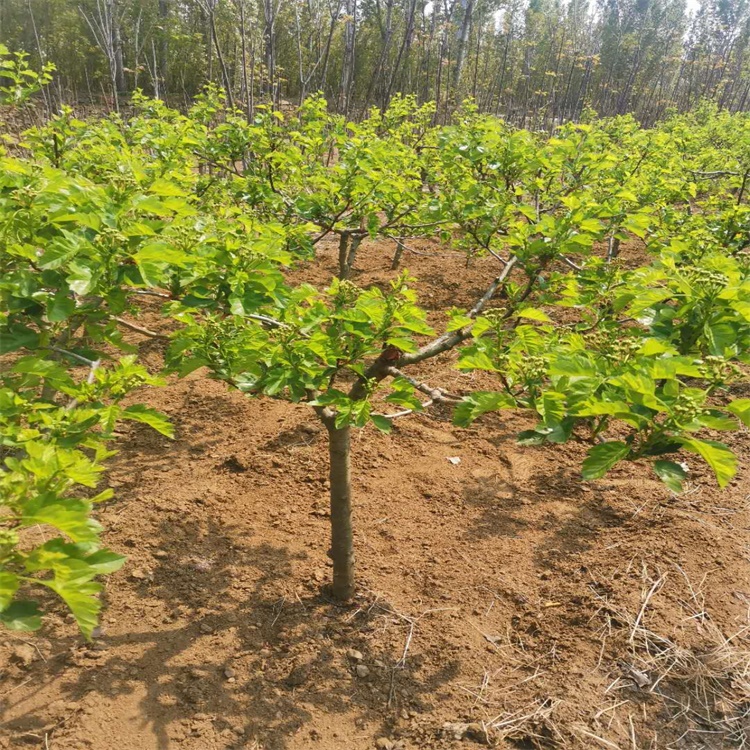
{"x": 21, "y": 616}
{"x": 531, "y": 313}
{"x": 672, "y": 474}
{"x": 740, "y": 407}
{"x": 601, "y": 458}
{"x": 82, "y": 600}
{"x": 60, "y": 307}
{"x": 481, "y": 402}
{"x": 70, "y": 516}
{"x": 382, "y": 423}
{"x": 716, "y": 455}
{"x": 474, "y": 360}
{"x": 151, "y": 417}
{"x": 8, "y": 586}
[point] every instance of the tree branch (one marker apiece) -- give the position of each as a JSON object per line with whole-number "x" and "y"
{"x": 139, "y": 329}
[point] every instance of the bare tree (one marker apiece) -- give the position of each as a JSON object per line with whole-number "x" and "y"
{"x": 347, "y": 66}
{"x": 104, "y": 22}
{"x": 209, "y": 8}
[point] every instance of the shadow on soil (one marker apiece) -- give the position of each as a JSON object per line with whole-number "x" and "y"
{"x": 232, "y": 657}
{"x": 507, "y": 509}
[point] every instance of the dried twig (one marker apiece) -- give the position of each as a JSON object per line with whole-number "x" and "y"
{"x": 654, "y": 588}
{"x": 139, "y": 329}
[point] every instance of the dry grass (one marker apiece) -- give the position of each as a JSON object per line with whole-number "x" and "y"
{"x": 693, "y": 684}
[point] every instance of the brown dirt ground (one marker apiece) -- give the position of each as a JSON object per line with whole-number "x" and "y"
{"x": 501, "y": 589}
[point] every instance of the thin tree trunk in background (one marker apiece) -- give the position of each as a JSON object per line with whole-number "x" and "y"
{"x": 385, "y": 46}
{"x": 245, "y": 82}
{"x": 347, "y": 66}
{"x": 501, "y": 84}
{"x": 327, "y": 50}
{"x": 220, "y": 58}
{"x": 163, "y": 44}
{"x": 269, "y": 49}
{"x": 46, "y": 95}
{"x": 463, "y": 41}
{"x": 252, "y": 77}
{"x": 209, "y": 48}
{"x": 405, "y": 46}
{"x": 117, "y": 47}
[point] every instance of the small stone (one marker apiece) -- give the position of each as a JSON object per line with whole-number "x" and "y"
{"x": 354, "y": 655}
{"x": 231, "y": 680}
{"x": 24, "y": 654}
{"x": 229, "y": 673}
{"x": 319, "y": 575}
{"x": 362, "y": 671}
{"x": 383, "y": 743}
{"x": 161, "y": 554}
{"x": 459, "y": 731}
{"x": 379, "y": 664}
{"x": 138, "y": 575}
{"x": 206, "y": 628}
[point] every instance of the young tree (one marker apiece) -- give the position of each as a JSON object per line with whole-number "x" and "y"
{"x": 643, "y": 359}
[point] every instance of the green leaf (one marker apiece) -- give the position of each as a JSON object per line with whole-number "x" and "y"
{"x": 60, "y": 307}
{"x": 531, "y": 437}
{"x": 69, "y": 516}
{"x": 601, "y": 458}
{"x": 720, "y": 337}
{"x": 382, "y": 423}
{"x": 715, "y": 420}
{"x": 481, "y": 402}
{"x": 105, "y": 561}
{"x": 82, "y": 600}
{"x": 672, "y": 474}
{"x": 457, "y": 322}
{"x": 8, "y": 586}
{"x": 151, "y": 417}
{"x": 716, "y": 455}
{"x": 80, "y": 279}
{"x": 551, "y": 407}
{"x": 161, "y": 252}
{"x": 531, "y": 313}
{"x": 474, "y": 360}
{"x": 22, "y": 616}
{"x": 166, "y": 188}
{"x": 741, "y": 409}
{"x": 16, "y": 338}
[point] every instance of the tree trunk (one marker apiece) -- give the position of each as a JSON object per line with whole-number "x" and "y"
{"x": 269, "y": 49}
{"x": 119, "y": 72}
{"x": 463, "y": 43}
{"x": 163, "y": 45}
{"x": 403, "y": 53}
{"x": 245, "y": 92}
{"x": 222, "y": 64}
{"x": 348, "y": 245}
{"x": 347, "y": 65}
{"x": 342, "y": 543}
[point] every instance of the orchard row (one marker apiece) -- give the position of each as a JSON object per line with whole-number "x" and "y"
{"x": 205, "y": 211}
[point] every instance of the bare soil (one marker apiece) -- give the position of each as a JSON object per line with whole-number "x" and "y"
{"x": 502, "y": 600}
